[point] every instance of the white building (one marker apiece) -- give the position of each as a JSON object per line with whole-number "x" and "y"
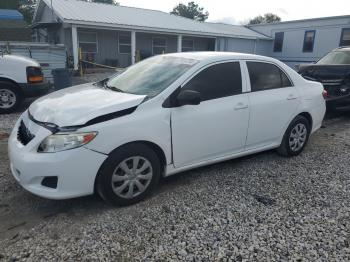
{"x": 114, "y": 35}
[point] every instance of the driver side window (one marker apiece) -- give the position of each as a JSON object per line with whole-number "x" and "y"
{"x": 217, "y": 81}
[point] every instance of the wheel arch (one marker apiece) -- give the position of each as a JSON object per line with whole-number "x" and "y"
{"x": 156, "y": 148}
{"x": 9, "y": 80}
{"x": 308, "y": 116}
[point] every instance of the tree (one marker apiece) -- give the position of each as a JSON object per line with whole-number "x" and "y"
{"x": 266, "y": 19}
{"x": 191, "y": 10}
{"x": 27, "y": 8}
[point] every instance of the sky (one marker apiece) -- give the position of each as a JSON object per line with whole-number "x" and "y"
{"x": 239, "y": 11}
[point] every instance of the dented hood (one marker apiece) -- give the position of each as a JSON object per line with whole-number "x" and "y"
{"x": 79, "y": 104}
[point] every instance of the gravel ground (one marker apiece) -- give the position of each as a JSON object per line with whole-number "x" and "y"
{"x": 257, "y": 208}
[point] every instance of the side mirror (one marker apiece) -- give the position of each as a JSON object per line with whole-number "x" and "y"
{"x": 188, "y": 97}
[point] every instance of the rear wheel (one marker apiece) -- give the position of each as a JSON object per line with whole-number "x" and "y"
{"x": 296, "y": 137}
{"x": 128, "y": 175}
{"x": 10, "y": 97}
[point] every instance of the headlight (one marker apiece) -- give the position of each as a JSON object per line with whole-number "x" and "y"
{"x": 62, "y": 142}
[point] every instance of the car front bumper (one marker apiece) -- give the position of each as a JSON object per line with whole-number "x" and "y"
{"x": 75, "y": 169}
{"x": 33, "y": 90}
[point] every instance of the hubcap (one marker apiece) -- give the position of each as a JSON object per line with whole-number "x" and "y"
{"x": 132, "y": 177}
{"x": 7, "y": 98}
{"x": 297, "y": 137}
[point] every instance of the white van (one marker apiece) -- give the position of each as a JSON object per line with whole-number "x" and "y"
{"x": 20, "y": 77}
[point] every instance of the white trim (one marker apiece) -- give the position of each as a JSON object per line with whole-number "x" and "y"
{"x": 84, "y": 42}
{"x": 179, "y": 43}
{"x": 159, "y": 31}
{"x": 133, "y": 47}
{"x": 161, "y": 46}
{"x": 75, "y": 46}
{"x": 123, "y": 44}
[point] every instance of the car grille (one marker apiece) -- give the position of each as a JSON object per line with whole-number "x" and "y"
{"x": 23, "y": 135}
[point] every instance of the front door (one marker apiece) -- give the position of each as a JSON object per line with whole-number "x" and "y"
{"x": 218, "y": 125}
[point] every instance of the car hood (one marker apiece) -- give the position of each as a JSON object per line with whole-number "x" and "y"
{"x": 79, "y": 104}
{"x": 325, "y": 72}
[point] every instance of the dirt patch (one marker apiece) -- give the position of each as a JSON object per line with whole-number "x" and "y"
{"x": 3, "y": 135}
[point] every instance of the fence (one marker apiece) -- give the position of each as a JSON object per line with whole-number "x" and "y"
{"x": 48, "y": 56}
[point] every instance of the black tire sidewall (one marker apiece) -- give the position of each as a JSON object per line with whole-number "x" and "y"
{"x": 12, "y": 87}
{"x": 104, "y": 187}
{"x": 297, "y": 120}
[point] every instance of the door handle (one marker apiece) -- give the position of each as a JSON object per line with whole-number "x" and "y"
{"x": 291, "y": 97}
{"x": 241, "y": 106}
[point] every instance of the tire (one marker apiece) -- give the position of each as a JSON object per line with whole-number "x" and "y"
{"x": 119, "y": 167}
{"x": 296, "y": 137}
{"x": 10, "y": 97}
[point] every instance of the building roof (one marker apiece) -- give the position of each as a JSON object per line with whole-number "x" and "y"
{"x": 8, "y": 14}
{"x": 316, "y": 19}
{"x": 105, "y": 15}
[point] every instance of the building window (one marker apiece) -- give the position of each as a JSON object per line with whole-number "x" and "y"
{"x": 309, "y": 39}
{"x": 159, "y": 46}
{"x": 88, "y": 42}
{"x": 345, "y": 37}
{"x": 124, "y": 43}
{"x": 278, "y": 44}
{"x": 187, "y": 45}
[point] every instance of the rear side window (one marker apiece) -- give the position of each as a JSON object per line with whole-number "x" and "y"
{"x": 217, "y": 81}
{"x": 265, "y": 76}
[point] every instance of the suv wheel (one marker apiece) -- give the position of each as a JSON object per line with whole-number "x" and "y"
{"x": 128, "y": 175}
{"x": 10, "y": 97}
{"x": 296, "y": 137}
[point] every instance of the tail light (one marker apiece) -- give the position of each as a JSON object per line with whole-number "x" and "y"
{"x": 324, "y": 94}
{"x": 34, "y": 75}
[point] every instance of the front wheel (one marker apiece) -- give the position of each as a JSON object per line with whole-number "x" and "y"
{"x": 296, "y": 137}
{"x": 10, "y": 97}
{"x": 128, "y": 175}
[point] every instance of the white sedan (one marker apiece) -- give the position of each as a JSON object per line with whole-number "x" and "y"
{"x": 164, "y": 115}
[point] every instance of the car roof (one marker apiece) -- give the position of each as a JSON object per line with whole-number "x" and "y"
{"x": 218, "y": 56}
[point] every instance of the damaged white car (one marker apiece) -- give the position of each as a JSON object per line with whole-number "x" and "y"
{"x": 164, "y": 115}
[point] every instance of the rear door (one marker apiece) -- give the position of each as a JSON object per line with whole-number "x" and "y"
{"x": 218, "y": 125}
{"x": 274, "y": 101}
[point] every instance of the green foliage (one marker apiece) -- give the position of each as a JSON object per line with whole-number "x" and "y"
{"x": 26, "y": 7}
{"x": 191, "y": 10}
{"x": 266, "y": 19}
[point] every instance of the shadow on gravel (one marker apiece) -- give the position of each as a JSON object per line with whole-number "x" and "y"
{"x": 24, "y": 210}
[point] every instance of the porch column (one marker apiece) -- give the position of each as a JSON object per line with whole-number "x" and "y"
{"x": 179, "y": 43}
{"x": 133, "y": 47}
{"x": 75, "y": 47}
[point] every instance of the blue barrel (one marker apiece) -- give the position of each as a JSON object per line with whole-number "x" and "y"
{"x": 62, "y": 78}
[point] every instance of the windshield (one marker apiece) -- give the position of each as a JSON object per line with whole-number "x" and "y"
{"x": 335, "y": 58}
{"x": 151, "y": 76}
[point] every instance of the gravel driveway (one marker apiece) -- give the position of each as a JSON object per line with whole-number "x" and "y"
{"x": 257, "y": 208}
